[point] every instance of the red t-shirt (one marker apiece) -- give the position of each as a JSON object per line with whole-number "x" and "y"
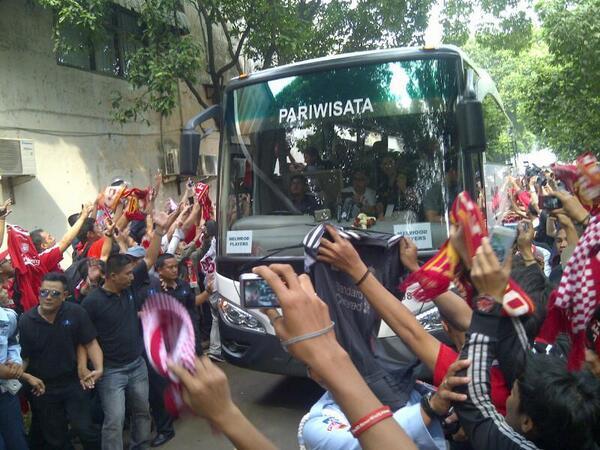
{"x": 499, "y": 389}
{"x": 95, "y": 250}
{"x": 30, "y": 282}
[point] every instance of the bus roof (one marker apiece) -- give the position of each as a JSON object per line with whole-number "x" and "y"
{"x": 345, "y": 59}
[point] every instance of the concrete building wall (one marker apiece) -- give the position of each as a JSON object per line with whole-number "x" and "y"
{"x": 51, "y": 105}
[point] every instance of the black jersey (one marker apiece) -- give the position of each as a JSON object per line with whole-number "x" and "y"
{"x": 356, "y": 322}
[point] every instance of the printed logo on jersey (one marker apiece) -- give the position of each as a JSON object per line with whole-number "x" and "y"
{"x": 334, "y": 424}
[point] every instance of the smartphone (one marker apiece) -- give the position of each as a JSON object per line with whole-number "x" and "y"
{"x": 502, "y": 240}
{"x": 550, "y": 203}
{"x": 172, "y": 205}
{"x": 256, "y": 293}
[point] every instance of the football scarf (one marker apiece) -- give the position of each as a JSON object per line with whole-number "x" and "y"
{"x": 136, "y": 200}
{"x": 201, "y": 192}
{"x": 573, "y": 305}
{"x": 168, "y": 337}
{"x": 583, "y": 180}
{"x": 436, "y": 275}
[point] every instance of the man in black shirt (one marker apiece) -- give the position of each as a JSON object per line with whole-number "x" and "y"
{"x": 168, "y": 281}
{"x": 50, "y": 334}
{"x": 113, "y": 309}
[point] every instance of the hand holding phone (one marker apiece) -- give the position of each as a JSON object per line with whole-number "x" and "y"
{"x": 502, "y": 240}
{"x": 551, "y": 203}
{"x": 255, "y": 292}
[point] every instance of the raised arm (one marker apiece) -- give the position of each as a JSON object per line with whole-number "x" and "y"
{"x": 341, "y": 254}
{"x": 160, "y": 220}
{"x": 4, "y": 211}
{"x": 304, "y": 314}
{"x": 485, "y": 427}
{"x": 72, "y": 233}
{"x": 451, "y": 305}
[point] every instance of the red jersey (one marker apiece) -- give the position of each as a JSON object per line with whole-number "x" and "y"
{"x": 499, "y": 390}
{"x": 30, "y": 267}
{"x": 95, "y": 250}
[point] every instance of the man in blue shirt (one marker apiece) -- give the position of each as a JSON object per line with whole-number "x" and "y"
{"x": 12, "y": 431}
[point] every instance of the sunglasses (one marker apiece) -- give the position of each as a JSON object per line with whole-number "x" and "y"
{"x": 50, "y": 292}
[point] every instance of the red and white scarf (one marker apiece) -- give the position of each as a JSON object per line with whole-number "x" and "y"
{"x": 434, "y": 278}
{"x": 573, "y": 304}
{"x": 583, "y": 180}
{"x": 169, "y": 337}
{"x": 201, "y": 192}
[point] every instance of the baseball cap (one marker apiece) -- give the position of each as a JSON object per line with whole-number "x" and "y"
{"x": 136, "y": 252}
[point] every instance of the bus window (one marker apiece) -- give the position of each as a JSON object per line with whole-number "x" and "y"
{"x": 376, "y": 139}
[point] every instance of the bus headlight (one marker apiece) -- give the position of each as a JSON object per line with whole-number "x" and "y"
{"x": 238, "y": 317}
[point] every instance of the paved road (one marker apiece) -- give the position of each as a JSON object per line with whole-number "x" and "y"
{"x": 275, "y": 404}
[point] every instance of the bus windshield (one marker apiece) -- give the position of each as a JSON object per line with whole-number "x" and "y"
{"x": 364, "y": 145}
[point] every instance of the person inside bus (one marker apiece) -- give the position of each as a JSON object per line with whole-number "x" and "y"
{"x": 362, "y": 196}
{"x": 312, "y": 160}
{"x": 386, "y": 189}
{"x": 303, "y": 202}
{"x": 434, "y": 202}
{"x": 399, "y": 198}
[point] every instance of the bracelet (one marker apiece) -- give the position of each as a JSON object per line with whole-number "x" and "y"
{"x": 371, "y": 419}
{"x": 308, "y": 336}
{"x": 364, "y": 277}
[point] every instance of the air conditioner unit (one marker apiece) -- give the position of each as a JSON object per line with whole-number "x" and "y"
{"x": 172, "y": 162}
{"x": 17, "y": 157}
{"x": 208, "y": 165}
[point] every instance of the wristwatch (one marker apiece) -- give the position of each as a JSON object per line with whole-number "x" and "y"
{"x": 425, "y": 404}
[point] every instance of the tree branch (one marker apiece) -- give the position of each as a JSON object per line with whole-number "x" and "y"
{"x": 230, "y": 45}
{"x": 195, "y": 92}
{"x": 236, "y": 57}
{"x": 209, "y": 38}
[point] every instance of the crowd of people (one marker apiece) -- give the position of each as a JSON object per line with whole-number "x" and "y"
{"x": 72, "y": 357}
{"x": 520, "y": 367}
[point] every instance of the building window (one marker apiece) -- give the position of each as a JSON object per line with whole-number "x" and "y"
{"x": 108, "y": 54}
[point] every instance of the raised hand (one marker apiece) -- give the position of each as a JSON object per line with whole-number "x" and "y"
{"x": 525, "y": 235}
{"x": 409, "y": 254}
{"x": 5, "y": 208}
{"x": 206, "y": 392}
{"x": 445, "y": 395}
{"x": 87, "y": 209}
{"x": 303, "y": 313}
{"x": 571, "y": 206}
{"x": 488, "y": 275}
{"x": 341, "y": 254}
{"x": 160, "y": 219}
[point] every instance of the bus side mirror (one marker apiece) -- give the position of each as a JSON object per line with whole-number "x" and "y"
{"x": 471, "y": 129}
{"x": 189, "y": 144}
